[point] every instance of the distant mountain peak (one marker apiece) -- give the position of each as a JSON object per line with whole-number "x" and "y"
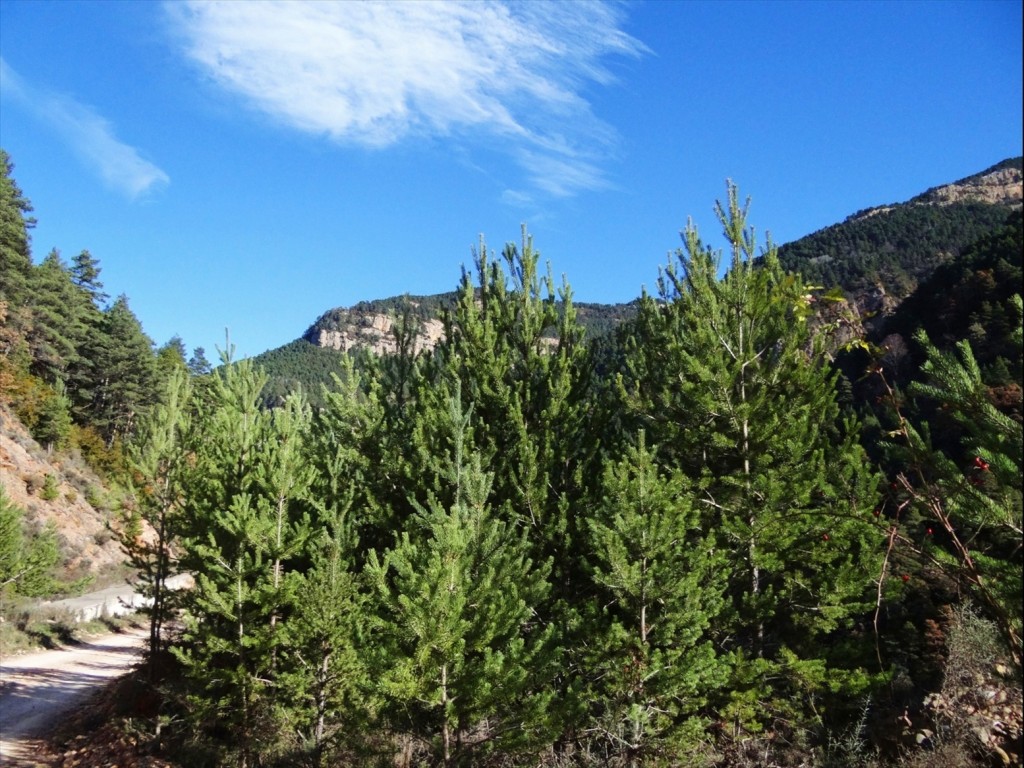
{"x": 1002, "y": 184}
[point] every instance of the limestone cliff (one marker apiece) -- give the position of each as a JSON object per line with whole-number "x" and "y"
{"x": 374, "y": 331}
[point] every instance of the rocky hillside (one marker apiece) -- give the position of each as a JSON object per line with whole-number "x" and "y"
{"x": 999, "y": 185}
{"x": 880, "y": 255}
{"x": 344, "y": 329}
{"x": 87, "y": 545}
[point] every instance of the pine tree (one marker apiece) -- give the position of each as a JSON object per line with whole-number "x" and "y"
{"x": 326, "y": 684}
{"x": 12, "y": 542}
{"x": 15, "y": 222}
{"x": 159, "y": 468}
{"x": 968, "y": 500}
{"x": 123, "y": 373}
{"x": 325, "y": 676}
{"x": 85, "y": 273}
{"x": 662, "y": 583}
{"x": 244, "y": 525}
{"x": 53, "y": 427}
{"x": 460, "y": 651}
{"x": 284, "y": 475}
{"x": 27, "y": 562}
{"x": 57, "y": 325}
{"x": 198, "y": 365}
{"x": 725, "y": 375}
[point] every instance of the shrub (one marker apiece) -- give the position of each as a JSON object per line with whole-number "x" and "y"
{"x": 94, "y": 497}
{"x": 51, "y": 489}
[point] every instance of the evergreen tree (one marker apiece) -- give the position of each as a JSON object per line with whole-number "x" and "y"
{"x": 514, "y": 352}
{"x": 27, "y": 562}
{"x": 460, "y": 652}
{"x": 159, "y": 467}
{"x": 967, "y": 499}
{"x": 242, "y": 528}
{"x": 12, "y": 542}
{"x": 53, "y": 427}
{"x": 198, "y": 365}
{"x": 57, "y": 324}
{"x": 326, "y": 683}
{"x": 124, "y": 370}
{"x": 15, "y": 222}
{"x": 85, "y": 274}
{"x": 170, "y": 357}
{"x": 661, "y": 581}
{"x": 725, "y": 375}
{"x": 284, "y": 476}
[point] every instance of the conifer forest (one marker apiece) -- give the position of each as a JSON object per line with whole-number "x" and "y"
{"x": 735, "y": 528}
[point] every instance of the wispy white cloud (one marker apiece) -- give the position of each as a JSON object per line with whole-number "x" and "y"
{"x": 89, "y": 136}
{"x": 373, "y": 73}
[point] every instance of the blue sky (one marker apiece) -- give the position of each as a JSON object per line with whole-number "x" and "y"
{"x": 249, "y": 165}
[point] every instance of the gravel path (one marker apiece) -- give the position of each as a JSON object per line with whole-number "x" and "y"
{"x": 36, "y": 689}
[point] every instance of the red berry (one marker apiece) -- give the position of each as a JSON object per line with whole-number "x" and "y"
{"x": 905, "y": 577}
{"x": 981, "y": 464}
{"x": 929, "y": 531}
{"x": 877, "y": 512}
{"x": 824, "y": 537}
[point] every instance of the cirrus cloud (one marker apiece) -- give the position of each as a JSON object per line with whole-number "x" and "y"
{"x": 89, "y": 135}
{"x": 374, "y": 73}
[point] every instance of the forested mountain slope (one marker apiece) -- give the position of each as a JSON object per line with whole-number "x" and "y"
{"x": 876, "y": 257}
{"x": 893, "y": 247}
{"x": 717, "y": 537}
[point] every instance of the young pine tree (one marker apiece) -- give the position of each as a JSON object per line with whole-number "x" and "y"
{"x": 158, "y": 460}
{"x": 461, "y": 651}
{"x": 728, "y": 379}
{"x": 970, "y": 504}
{"x": 662, "y": 583}
{"x": 243, "y": 530}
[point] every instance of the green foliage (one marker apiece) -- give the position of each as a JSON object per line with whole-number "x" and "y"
{"x": 159, "y": 468}
{"x": 327, "y": 678}
{"x": 11, "y": 541}
{"x": 122, "y": 357}
{"x": 630, "y": 535}
{"x": 52, "y": 427}
{"x": 298, "y": 366}
{"x": 726, "y": 377}
{"x": 663, "y": 584}
{"x": 458, "y": 592}
{"x": 518, "y": 357}
{"x": 976, "y": 504}
{"x": 15, "y": 259}
{"x": 27, "y": 561}
{"x": 894, "y": 246}
{"x": 68, "y": 365}
{"x": 50, "y": 489}
{"x": 243, "y": 526}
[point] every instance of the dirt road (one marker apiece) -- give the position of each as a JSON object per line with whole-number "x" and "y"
{"x": 36, "y": 689}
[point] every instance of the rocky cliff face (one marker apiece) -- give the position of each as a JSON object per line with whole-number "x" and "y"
{"x": 1002, "y": 186}
{"x": 372, "y": 331}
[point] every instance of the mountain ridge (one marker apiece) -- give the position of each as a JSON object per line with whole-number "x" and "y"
{"x": 857, "y": 255}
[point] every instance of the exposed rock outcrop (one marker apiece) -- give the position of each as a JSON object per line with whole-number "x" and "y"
{"x": 1004, "y": 186}
{"x": 374, "y": 332}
